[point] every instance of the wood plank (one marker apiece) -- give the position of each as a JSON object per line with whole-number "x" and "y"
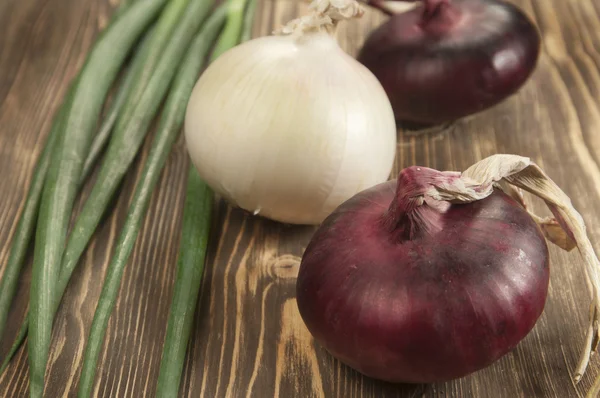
{"x": 249, "y": 340}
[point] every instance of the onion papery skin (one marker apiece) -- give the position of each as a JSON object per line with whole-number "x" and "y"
{"x": 436, "y": 307}
{"x": 455, "y": 65}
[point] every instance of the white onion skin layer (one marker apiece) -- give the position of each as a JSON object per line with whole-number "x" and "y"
{"x": 290, "y": 127}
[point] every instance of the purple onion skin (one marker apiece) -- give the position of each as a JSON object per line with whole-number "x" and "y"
{"x": 417, "y": 307}
{"x": 466, "y": 57}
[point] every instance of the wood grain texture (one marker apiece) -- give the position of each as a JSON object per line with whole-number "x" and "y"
{"x": 248, "y": 340}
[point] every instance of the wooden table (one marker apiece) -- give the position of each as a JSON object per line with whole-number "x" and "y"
{"x": 249, "y": 339}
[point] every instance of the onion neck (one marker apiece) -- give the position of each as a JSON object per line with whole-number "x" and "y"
{"x": 323, "y": 16}
{"x": 413, "y": 213}
{"x": 437, "y": 17}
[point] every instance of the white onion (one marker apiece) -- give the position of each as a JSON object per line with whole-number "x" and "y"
{"x": 290, "y": 127}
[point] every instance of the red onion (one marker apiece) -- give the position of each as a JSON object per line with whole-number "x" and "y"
{"x": 441, "y": 276}
{"x": 450, "y": 58}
